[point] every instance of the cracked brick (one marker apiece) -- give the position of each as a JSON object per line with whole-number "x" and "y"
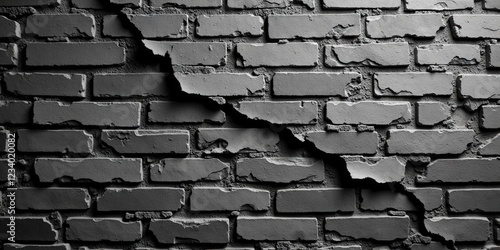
{"x": 429, "y": 141}
{"x": 223, "y": 84}
{"x": 379, "y": 169}
{"x": 46, "y": 84}
{"x": 234, "y": 199}
{"x": 280, "y": 170}
{"x": 8, "y": 54}
{"x": 361, "y": 4}
{"x": 411, "y": 25}
{"x": 380, "y": 228}
{"x": 313, "y": 26}
{"x": 10, "y": 28}
{"x": 453, "y": 54}
{"x": 61, "y": 25}
{"x": 102, "y": 230}
{"x": 174, "y": 26}
{"x": 438, "y": 5}
{"x": 475, "y": 26}
{"x": 229, "y": 25}
{"x": 303, "y": 54}
{"x": 52, "y": 199}
{"x": 318, "y": 83}
{"x": 474, "y": 200}
{"x": 314, "y": 200}
{"x": 34, "y": 229}
{"x": 147, "y": 141}
{"x": 187, "y": 3}
{"x": 277, "y": 229}
{"x": 109, "y": 85}
{"x": 280, "y": 112}
{"x": 257, "y": 4}
{"x": 344, "y": 142}
{"x": 431, "y": 113}
{"x": 183, "y": 112}
{"x": 464, "y": 170}
{"x": 493, "y": 55}
{"x": 374, "y": 55}
{"x": 190, "y": 53}
{"x": 55, "y": 141}
{"x": 468, "y": 229}
{"x": 489, "y": 117}
{"x": 141, "y": 199}
{"x": 187, "y": 169}
{"x": 234, "y": 140}
{"x": 491, "y": 147}
{"x": 368, "y": 112}
{"x": 413, "y": 84}
{"x": 175, "y": 231}
{"x": 479, "y": 86}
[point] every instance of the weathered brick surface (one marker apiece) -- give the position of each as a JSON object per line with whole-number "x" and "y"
{"x": 161, "y": 26}
{"x": 257, "y": 4}
{"x": 381, "y": 170}
{"x": 30, "y": 3}
{"x": 61, "y": 25}
{"x": 479, "y": 86}
{"x": 277, "y": 55}
{"x": 130, "y": 84}
{"x": 463, "y": 171}
{"x": 187, "y": 3}
{"x": 362, "y": 4}
{"x": 475, "y": 26}
{"x": 13, "y": 246}
{"x": 87, "y": 4}
{"x": 370, "y": 113}
{"x": 315, "y": 200}
{"x": 305, "y": 112}
{"x": 438, "y": 5}
{"x": 15, "y": 112}
{"x": 8, "y": 54}
{"x": 429, "y": 141}
{"x": 473, "y": 200}
{"x": 461, "y": 54}
{"x": 187, "y": 169}
{"x": 313, "y": 84}
{"x": 183, "y": 112}
{"x": 381, "y": 200}
{"x": 413, "y": 84}
{"x": 10, "y": 28}
{"x": 221, "y": 84}
{"x": 55, "y": 141}
{"x": 432, "y": 113}
{"x": 344, "y": 142}
{"x": 376, "y": 55}
{"x": 115, "y": 26}
{"x": 46, "y": 84}
{"x": 280, "y": 170}
{"x": 470, "y": 229}
{"x": 275, "y": 228}
{"x": 102, "y": 229}
{"x": 491, "y": 147}
{"x": 413, "y": 25}
{"x": 53, "y": 199}
{"x": 219, "y": 199}
{"x": 493, "y": 55}
{"x": 141, "y": 199}
{"x": 382, "y": 228}
{"x": 244, "y": 139}
{"x": 431, "y": 198}
{"x": 147, "y": 141}
{"x": 313, "y": 26}
{"x": 229, "y": 25}
{"x": 199, "y": 53}
{"x": 29, "y": 229}
{"x": 490, "y": 117}
{"x": 175, "y": 231}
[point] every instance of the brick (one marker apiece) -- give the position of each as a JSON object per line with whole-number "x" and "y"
{"x": 88, "y": 4}
{"x": 237, "y": 140}
{"x": 187, "y": 3}
{"x": 413, "y": 84}
{"x": 313, "y": 84}
{"x": 277, "y": 229}
{"x": 130, "y": 84}
{"x": 361, "y": 4}
{"x": 280, "y": 112}
{"x": 430, "y": 113}
{"x": 280, "y": 170}
{"x": 474, "y": 200}
{"x": 406, "y": 25}
{"x": 190, "y": 53}
{"x": 38, "y": 229}
{"x": 368, "y": 112}
{"x": 183, "y": 112}
{"x": 313, "y": 26}
{"x": 380, "y": 228}
{"x": 314, "y": 200}
{"x": 430, "y": 198}
{"x": 127, "y": 3}
{"x": 13, "y": 246}
{"x": 429, "y": 246}
{"x": 257, "y": 4}
{"x": 382, "y": 200}
{"x": 141, "y": 199}
{"x": 15, "y": 112}
{"x": 55, "y": 141}
{"x": 188, "y": 169}
{"x": 374, "y": 54}
{"x": 437, "y": 142}
{"x": 303, "y": 54}
{"x": 114, "y": 114}
{"x": 46, "y": 84}
{"x": 463, "y": 229}
{"x": 161, "y": 25}
{"x": 489, "y": 117}
{"x": 30, "y": 3}
{"x": 475, "y": 26}
{"x": 223, "y": 84}
{"x": 234, "y": 199}
{"x": 493, "y": 55}
{"x": 175, "y": 231}
{"x": 102, "y": 229}
{"x": 74, "y": 54}
{"x": 147, "y": 141}
{"x": 8, "y": 54}
{"x": 454, "y": 54}
{"x": 479, "y": 86}
{"x": 10, "y": 28}
{"x": 491, "y": 4}
{"x": 463, "y": 171}
{"x": 52, "y": 199}
{"x": 491, "y": 147}
{"x": 61, "y": 25}
{"x": 344, "y": 142}
{"x": 98, "y": 170}
{"x": 379, "y": 169}
{"x": 229, "y": 25}
{"x": 438, "y": 5}
{"x": 114, "y": 26}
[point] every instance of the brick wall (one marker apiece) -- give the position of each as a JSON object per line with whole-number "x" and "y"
{"x": 252, "y": 124}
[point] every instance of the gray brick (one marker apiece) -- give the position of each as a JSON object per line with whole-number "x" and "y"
{"x": 491, "y": 4}
{"x": 234, "y": 199}
{"x": 114, "y": 114}
{"x": 183, "y": 112}
{"x": 463, "y": 229}
{"x": 491, "y": 147}
{"x": 38, "y": 229}
{"x": 382, "y": 200}
{"x": 313, "y": 26}
{"x": 190, "y": 53}
{"x": 188, "y": 169}
{"x": 374, "y": 54}
{"x": 187, "y": 3}
{"x": 99, "y": 170}
{"x": 412, "y": 25}
{"x": 489, "y": 117}
{"x": 438, "y": 5}
{"x": 257, "y": 4}
{"x": 176, "y": 231}
{"x": 161, "y": 25}
{"x": 46, "y": 84}
{"x": 280, "y": 170}
{"x": 430, "y": 113}
{"x": 52, "y": 199}
{"x": 223, "y": 84}
{"x": 380, "y": 228}
{"x": 413, "y": 84}
{"x": 55, "y": 141}
{"x": 141, "y": 199}
{"x": 493, "y": 54}
{"x": 462, "y": 170}
{"x": 344, "y": 142}
{"x": 13, "y": 246}
{"x": 114, "y": 26}
{"x": 313, "y": 200}
{"x": 15, "y": 112}
{"x": 430, "y": 246}
{"x": 147, "y": 141}
{"x": 277, "y": 55}
{"x": 237, "y": 140}
{"x": 379, "y": 169}
{"x": 313, "y": 84}
{"x": 277, "y": 229}
{"x": 102, "y": 229}
{"x": 8, "y": 54}
{"x": 431, "y": 198}
{"x": 475, "y": 26}
{"x": 74, "y": 54}
{"x": 229, "y": 25}
{"x": 361, "y": 4}
{"x": 130, "y": 84}
{"x": 474, "y": 200}
{"x": 88, "y": 4}
{"x": 127, "y": 3}
{"x": 280, "y": 112}
{"x": 429, "y": 141}
{"x": 10, "y": 28}
{"x": 456, "y": 54}
{"x": 61, "y": 25}
{"x": 7, "y": 3}
{"x": 368, "y": 112}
